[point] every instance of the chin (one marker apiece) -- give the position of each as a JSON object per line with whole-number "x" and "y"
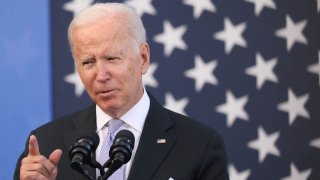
{"x": 109, "y": 107}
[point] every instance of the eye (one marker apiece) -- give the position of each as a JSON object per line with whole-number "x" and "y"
{"x": 87, "y": 63}
{"x": 111, "y": 58}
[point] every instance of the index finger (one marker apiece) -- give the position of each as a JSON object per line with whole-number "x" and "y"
{"x": 33, "y": 146}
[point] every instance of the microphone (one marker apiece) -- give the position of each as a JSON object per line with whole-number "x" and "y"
{"x": 120, "y": 152}
{"x": 82, "y": 151}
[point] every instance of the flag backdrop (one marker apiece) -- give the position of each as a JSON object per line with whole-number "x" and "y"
{"x": 248, "y": 68}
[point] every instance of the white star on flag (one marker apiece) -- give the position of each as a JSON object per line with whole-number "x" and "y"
{"x": 315, "y": 143}
{"x": 75, "y": 6}
{"x": 233, "y": 108}
{"x": 263, "y": 70}
{"x": 296, "y": 175}
{"x": 231, "y": 35}
{"x": 149, "y": 79}
{"x": 76, "y": 81}
{"x": 199, "y": 6}
{"x": 295, "y": 106}
{"x": 142, "y": 6}
{"x": 236, "y": 175}
{"x": 175, "y": 105}
{"x": 260, "y": 4}
{"x": 202, "y": 73}
{"x": 171, "y": 38}
{"x": 292, "y": 32}
{"x": 265, "y": 144}
{"x": 315, "y": 68}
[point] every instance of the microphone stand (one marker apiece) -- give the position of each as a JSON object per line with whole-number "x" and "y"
{"x": 79, "y": 166}
{"x": 105, "y": 175}
{"x": 112, "y": 166}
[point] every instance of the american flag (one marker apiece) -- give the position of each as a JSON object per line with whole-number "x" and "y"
{"x": 248, "y": 68}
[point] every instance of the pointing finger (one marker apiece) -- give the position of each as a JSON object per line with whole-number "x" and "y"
{"x": 33, "y": 146}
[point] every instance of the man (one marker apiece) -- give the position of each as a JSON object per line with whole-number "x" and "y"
{"x": 110, "y": 51}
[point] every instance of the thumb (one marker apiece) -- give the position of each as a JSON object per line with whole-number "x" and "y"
{"x": 55, "y": 156}
{"x": 33, "y": 146}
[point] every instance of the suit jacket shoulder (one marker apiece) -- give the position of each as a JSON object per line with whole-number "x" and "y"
{"x": 178, "y": 147}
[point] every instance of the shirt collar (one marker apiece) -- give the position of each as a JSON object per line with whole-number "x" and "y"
{"x": 135, "y": 117}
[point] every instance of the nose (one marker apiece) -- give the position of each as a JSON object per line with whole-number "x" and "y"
{"x": 102, "y": 72}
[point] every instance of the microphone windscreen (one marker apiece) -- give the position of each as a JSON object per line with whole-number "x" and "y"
{"x": 93, "y": 137}
{"x": 125, "y": 134}
{"x": 84, "y": 147}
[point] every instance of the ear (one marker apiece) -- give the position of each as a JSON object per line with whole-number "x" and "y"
{"x": 145, "y": 57}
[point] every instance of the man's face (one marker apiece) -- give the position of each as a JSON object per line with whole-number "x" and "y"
{"x": 109, "y": 66}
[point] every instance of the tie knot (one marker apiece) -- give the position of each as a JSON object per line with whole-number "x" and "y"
{"x": 114, "y": 125}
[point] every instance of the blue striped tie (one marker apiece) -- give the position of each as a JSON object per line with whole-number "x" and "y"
{"x": 113, "y": 127}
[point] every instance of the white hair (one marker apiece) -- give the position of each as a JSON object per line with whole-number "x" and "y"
{"x": 100, "y": 11}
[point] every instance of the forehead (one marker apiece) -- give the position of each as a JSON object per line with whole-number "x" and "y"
{"x": 98, "y": 31}
{"x": 107, "y": 32}
{"x": 110, "y": 25}
{"x": 100, "y": 34}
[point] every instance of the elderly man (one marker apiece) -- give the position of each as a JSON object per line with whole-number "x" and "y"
{"x": 110, "y": 51}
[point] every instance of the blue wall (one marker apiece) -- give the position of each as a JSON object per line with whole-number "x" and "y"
{"x": 25, "y": 101}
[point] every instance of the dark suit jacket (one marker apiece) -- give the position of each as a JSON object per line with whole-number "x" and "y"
{"x": 192, "y": 151}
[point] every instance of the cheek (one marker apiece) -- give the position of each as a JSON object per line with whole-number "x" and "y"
{"x": 134, "y": 73}
{"x": 86, "y": 78}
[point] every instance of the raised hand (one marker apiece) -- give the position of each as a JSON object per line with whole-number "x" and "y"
{"x": 36, "y": 166}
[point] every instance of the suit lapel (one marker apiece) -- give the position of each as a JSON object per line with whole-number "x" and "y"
{"x": 83, "y": 123}
{"x": 155, "y": 143}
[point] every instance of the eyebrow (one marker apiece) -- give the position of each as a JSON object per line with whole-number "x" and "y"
{"x": 85, "y": 57}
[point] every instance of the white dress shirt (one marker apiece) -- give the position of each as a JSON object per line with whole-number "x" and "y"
{"x": 134, "y": 121}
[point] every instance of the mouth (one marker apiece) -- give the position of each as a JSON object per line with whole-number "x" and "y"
{"x": 106, "y": 93}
